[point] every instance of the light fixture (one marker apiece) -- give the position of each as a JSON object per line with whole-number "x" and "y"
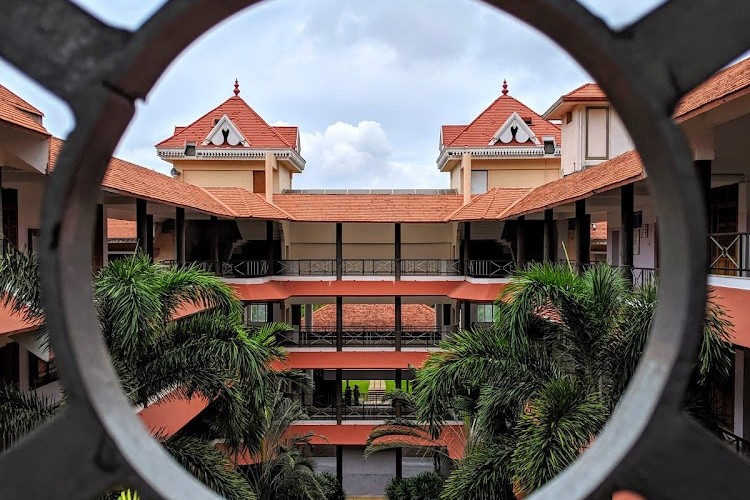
{"x": 174, "y": 172}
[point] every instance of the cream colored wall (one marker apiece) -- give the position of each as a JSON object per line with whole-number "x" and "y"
{"x": 518, "y": 173}
{"x": 284, "y": 179}
{"x": 368, "y": 241}
{"x": 163, "y": 245}
{"x": 574, "y": 140}
{"x": 219, "y": 173}
{"x": 456, "y": 178}
{"x": 311, "y": 240}
{"x": 426, "y": 241}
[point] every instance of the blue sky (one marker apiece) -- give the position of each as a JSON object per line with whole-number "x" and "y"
{"x": 368, "y": 83}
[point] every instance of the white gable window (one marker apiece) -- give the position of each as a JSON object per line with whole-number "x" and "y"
{"x": 516, "y": 129}
{"x": 225, "y": 133}
{"x": 478, "y": 181}
{"x": 597, "y": 133}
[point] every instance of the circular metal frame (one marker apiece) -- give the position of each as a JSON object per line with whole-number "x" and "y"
{"x": 97, "y": 443}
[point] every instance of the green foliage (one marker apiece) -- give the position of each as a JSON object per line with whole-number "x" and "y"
{"x": 537, "y": 388}
{"x": 128, "y": 495}
{"x": 423, "y": 486}
{"x": 22, "y": 411}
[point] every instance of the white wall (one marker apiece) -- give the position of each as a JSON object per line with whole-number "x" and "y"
{"x": 574, "y": 140}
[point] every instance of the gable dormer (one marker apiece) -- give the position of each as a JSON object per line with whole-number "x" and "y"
{"x": 515, "y": 129}
{"x": 225, "y": 133}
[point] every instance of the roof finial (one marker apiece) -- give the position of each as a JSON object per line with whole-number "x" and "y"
{"x": 505, "y": 87}
{"x": 236, "y": 87}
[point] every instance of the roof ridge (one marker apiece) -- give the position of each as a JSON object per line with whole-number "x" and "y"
{"x": 579, "y": 88}
{"x": 229, "y": 210}
{"x": 527, "y": 193}
{"x": 263, "y": 199}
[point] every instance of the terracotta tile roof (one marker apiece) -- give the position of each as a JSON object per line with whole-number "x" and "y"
{"x": 258, "y": 133}
{"x": 586, "y": 92}
{"x": 450, "y": 132}
{"x": 369, "y": 207}
{"x": 246, "y": 204}
{"x": 479, "y": 133}
{"x": 118, "y": 229}
{"x": 490, "y": 205}
{"x": 376, "y": 315}
{"x": 11, "y": 323}
{"x": 16, "y": 111}
{"x": 725, "y": 82}
{"x": 290, "y": 134}
{"x": 613, "y": 173}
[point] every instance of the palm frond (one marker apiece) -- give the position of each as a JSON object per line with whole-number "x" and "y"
{"x": 22, "y": 411}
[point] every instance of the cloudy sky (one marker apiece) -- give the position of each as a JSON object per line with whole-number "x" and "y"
{"x": 368, "y": 83}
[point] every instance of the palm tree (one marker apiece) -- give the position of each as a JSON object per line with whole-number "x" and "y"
{"x": 156, "y": 352}
{"x": 537, "y": 388}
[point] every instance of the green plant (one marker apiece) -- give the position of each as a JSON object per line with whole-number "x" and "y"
{"x": 424, "y": 486}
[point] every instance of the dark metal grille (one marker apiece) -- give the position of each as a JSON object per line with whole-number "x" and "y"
{"x": 97, "y": 442}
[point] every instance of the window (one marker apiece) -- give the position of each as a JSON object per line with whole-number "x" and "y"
{"x": 41, "y": 372}
{"x": 257, "y": 313}
{"x": 190, "y": 149}
{"x": 568, "y": 117}
{"x": 486, "y": 313}
{"x": 549, "y": 145}
{"x": 597, "y": 133}
{"x": 478, "y": 181}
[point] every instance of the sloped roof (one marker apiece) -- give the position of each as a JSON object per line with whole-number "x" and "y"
{"x": 376, "y": 315}
{"x": 246, "y": 204}
{"x": 289, "y": 133}
{"x": 369, "y": 207}
{"x": 490, "y": 205}
{"x": 16, "y": 111}
{"x": 450, "y": 132}
{"x": 258, "y": 133}
{"x": 586, "y": 92}
{"x": 610, "y": 174}
{"x": 722, "y": 84}
{"x": 479, "y": 133}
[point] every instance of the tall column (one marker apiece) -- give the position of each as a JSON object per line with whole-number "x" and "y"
{"x": 465, "y": 246}
{"x": 339, "y": 409}
{"x": 466, "y": 316}
{"x": 339, "y": 323}
{"x": 399, "y": 451}
{"x": 179, "y": 235}
{"x": 270, "y": 258}
{"x": 521, "y": 241}
{"x": 269, "y": 312}
{"x": 397, "y": 321}
{"x": 549, "y": 236}
{"x": 150, "y": 236}
{"x": 466, "y": 176}
{"x": 397, "y": 250}
{"x": 215, "y": 245}
{"x": 141, "y": 224}
{"x": 2, "y": 220}
{"x": 340, "y": 463}
{"x": 627, "y": 209}
{"x": 308, "y": 316}
{"x": 339, "y": 250}
{"x": 297, "y": 315}
{"x": 703, "y": 170}
{"x": 583, "y": 235}
{"x": 100, "y": 241}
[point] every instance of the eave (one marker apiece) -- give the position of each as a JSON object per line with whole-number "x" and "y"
{"x": 289, "y": 155}
{"x": 497, "y": 152}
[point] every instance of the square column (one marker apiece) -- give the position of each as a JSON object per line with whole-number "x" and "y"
{"x": 549, "y": 236}
{"x": 150, "y": 236}
{"x": 703, "y": 171}
{"x": 583, "y": 235}
{"x": 465, "y": 247}
{"x": 339, "y": 409}
{"x": 339, "y": 250}
{"x": 397, "y": 321}
{"x": 141, "y": 222}
{"x": 521, "y": 241}
{"x": 339, "y": 324}
{"x": 215, "y": 245}
{"x": 179, "y": 235}
{"x": 99, "y": 251}
{"x": 269, "y": 247}
{"x": 627, "y": 209}
{"x": 397, "y": 250}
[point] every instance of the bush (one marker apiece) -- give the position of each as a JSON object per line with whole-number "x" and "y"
{"x": 423, "y": 486}
{"x": 332, "y": 489}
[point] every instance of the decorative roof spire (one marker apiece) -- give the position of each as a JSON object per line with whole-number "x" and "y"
{"x": 505, "y": 87}
{"x": 236, "y": 87}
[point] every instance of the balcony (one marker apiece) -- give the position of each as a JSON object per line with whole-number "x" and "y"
{"x": 325, "y": 337}
{"x": 729, "y": 254}
{"x": 371, "y": 409}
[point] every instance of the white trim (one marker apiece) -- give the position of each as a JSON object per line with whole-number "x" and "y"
{"x": 289, "y": 155}
{"x": 523, "y": 133}
{"x": 225, "y": 122}
{"x": 493, "y": 152}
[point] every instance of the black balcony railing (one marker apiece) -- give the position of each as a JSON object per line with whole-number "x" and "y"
{"x": 491, "y": 268}
{"x": 365, "y": 336}
{"x": 370, "y": 409}
{"x": 729, "y": 254}
{"x": 738, "y": 444}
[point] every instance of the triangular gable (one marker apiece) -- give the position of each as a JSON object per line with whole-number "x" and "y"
{"x": 514, "y": 129}
{"x": 225, "y": 133}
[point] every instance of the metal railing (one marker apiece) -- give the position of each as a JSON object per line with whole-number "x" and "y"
{"x": 491, "y": 268}
{"x": 729, "y": 254}
{"x": 430, "y": 267}
{"x": 365, "y": 336}
{"x": 740, "y": 445}
{"x": 364, "y": 410}
{"x": 307, "y": 267}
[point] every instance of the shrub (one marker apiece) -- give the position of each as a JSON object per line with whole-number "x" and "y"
{"x": 332, "y": 489}
{"x": 423, "y": 486}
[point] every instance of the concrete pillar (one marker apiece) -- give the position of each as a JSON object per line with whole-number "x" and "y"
{"x": 340, "y": 463}
{"x": 339, "y": 250}
{"x": 703, "y": 171}
{"x": 627, "y": 209}
{"x": 399, "y": 451}
{"x": 742, "y": 393}
{"x": 339, "y": 323}
{"x": 308, "y": 317}
{"x": 179, "y": 235}
{"x": 549, "y": 236}
{"x": 150, "y": 236}
{"x": 141, "y": 223}
{"x": 2, "y": 220}
{"x": 297, "y": 315}
{"x": 465, "y": 247}
{"x": 466, "y": 315}
{"x": 397, "y": 321}
{"x": 521, "y": 241}
{"x": 466, "y": 176}
{"x": 583, "y": 235}
{"x": 270, "y": 166}
{"x": 339, "y": 409}
{"x": 215, "y": 261}
{"x": 397, "y": 250}
{"x": 270, "y": 316}
{"x": 270, "y": 257}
